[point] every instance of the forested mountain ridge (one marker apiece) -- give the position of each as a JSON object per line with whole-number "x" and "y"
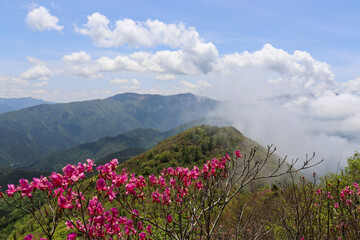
{"x": 31, "y": 134}
{"x": 139, "y": 138}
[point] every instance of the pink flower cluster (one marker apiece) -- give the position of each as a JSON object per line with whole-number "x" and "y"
{"x": 103, "y": 223}
{"x": 171, "y": 186}
{"x": 57, "y": 186}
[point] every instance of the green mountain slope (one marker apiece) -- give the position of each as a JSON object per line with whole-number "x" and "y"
{"x": 122, "y": 156}
{"x": 31, "y": 134}
{"x": 140, "y": 138}
{"x": 195, "y": 146}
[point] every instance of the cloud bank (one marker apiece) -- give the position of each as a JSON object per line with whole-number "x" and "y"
{"x": 293, "y": 102}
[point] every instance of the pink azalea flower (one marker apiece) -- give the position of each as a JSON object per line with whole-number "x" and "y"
{"x": 71, "y": 236}
{"x": 69, "y": 225}
{"x": 63, "y": 203}
{"x": 152, "y": 179}
{"x": 169, "y": 218}
{"x": 101, "y": 185}
{"x": 11, "y": 190}
{"x": 148, "y": 229}
{"x": 238, "y": 154}
{"x": 142, "y": 236}
{"x": 28, "y": 237}
{"x": 89, "y": 165}
{"x": 130, "y": 188}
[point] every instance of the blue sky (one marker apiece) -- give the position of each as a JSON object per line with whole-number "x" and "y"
{"x": 327, "y": 30}
{"x": 246, "y": 52}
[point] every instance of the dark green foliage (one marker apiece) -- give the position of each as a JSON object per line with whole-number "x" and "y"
{"x": 31, "y": 134}
{"x": 346, "y": 176}
{"x": 352, "y": 171}
{"x": 193, "y": 147}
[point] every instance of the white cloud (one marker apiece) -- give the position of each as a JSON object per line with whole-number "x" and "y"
{"x": 165, "y": 77}
{"x": 77, "y": 57}
{"x": 199, "y": 86}
{"x": 127, "y": 84}
{"x": 192, "y": 57}
{"x": 351, "y": 86}
{"x": 301, "y": 71}
{"x": 167, "y": 62}
{"x": 335, "y": 107}
{"x": 188, "y": 84}
{"x": 290, "y": 100}
{"x": 9, "y": 81}
{"x": 148, "y": 33}
{"x": 35, "y": 61}
{"x": 39, "y": 72}
{"x": 119, "y": 81}
{"x": 41, "y": 84}
{"x": 40, "y": 19}
{"x": 135, "y": 82}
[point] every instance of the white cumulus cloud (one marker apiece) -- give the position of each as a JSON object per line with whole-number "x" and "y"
{"x": 77, "y": 57}
{"x": 199, "y": 85}
{"x": 148, "y": 33}
{"x": 165, "y": 77}
{"x": 127, "y": 84}
{"x": 39, "y": 72}
{"x": 119, "y": 81}
{"x": 192, "y": 54}
{"x": 40, "y": 19}
{"x": 300, "y": 71}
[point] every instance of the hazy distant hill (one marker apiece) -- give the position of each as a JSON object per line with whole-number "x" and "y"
{"x": 31, "y": 134}
{"x": 13, "y": 104}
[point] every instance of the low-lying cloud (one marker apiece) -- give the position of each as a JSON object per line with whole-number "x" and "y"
{"x": 293, "y": 102}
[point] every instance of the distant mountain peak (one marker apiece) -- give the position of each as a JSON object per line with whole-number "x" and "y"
{"x": 14, "y": 104}
{"x": 134, "y": 96}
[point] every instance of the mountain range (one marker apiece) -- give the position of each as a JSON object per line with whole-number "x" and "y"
{"x": 31, "y": 134}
